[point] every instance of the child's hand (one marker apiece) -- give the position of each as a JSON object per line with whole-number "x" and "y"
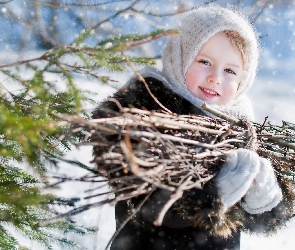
{"x": 264, "y": 193}
{"x": 236, "y": 176}
{"x": 247, "y": 175}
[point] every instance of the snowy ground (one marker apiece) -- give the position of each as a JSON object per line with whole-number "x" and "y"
{"x": 284, "y": 239}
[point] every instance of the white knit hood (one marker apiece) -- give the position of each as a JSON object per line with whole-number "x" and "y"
{"x": 196, "y": 28}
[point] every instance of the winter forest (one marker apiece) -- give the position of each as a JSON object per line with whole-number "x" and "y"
{"x": 59, "y": 59}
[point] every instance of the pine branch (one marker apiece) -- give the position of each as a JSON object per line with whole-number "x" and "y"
{"x": 33, "y": 130}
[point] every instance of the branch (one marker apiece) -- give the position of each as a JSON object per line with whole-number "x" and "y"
{"x": 41, "y": 24}
{"x": 187, "y": 184}
{"x": 140, "y": 78}
{"x": 75, "y": 211}
{"x": 265, "y": 5}
{"x": 4, "y": 2}
{"x": 43, "y": 57}
{"x": 113, "y": 16}
{"x": 219, "y": 114}
{"x": 56, "y": 4}
{"x": 171, "y": 13}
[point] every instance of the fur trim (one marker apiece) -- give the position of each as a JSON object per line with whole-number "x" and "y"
{"x": 206, "y": 212}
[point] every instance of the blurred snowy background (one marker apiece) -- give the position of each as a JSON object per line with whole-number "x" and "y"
{"x": 29, "y": 27}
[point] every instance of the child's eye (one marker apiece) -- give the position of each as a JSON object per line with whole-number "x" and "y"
{"x": 230, "y": 71}
{"x": 205, "y": 62}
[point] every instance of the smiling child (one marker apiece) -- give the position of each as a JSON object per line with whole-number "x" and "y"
{"x": 213, "y": 60}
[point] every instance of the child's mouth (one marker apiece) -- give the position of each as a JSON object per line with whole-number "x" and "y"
{"x": 209, "y": 92}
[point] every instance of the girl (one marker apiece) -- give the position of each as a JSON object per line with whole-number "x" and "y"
{"x": 213, "y": 60}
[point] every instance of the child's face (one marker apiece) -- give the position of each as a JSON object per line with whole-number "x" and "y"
{"x": 216, "y": 71}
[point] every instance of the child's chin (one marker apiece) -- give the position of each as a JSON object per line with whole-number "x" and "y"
{"x": 210, "y": 101}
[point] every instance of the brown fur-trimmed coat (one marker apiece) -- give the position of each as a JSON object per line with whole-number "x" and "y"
{"x": 196, "y": 221}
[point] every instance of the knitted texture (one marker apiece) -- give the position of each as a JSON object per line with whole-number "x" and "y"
{"x": 264, "y": 193}
{"x": 236, "y": 176}
{"x": 196, "y": 28}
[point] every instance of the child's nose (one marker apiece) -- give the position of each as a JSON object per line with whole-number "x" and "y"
{"x": 214, "y": 77}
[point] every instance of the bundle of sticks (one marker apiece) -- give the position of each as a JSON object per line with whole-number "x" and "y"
{"x": 138, "y": 150}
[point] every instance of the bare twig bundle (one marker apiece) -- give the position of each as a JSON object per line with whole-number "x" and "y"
{"x": 163, "y": 149}
{"x": 139, "y": 150}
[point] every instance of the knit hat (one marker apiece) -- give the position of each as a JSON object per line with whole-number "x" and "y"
{"x": 196, "y": 28}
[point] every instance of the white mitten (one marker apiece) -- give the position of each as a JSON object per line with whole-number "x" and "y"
{"x": 236, "y": 176}
{"x": 264, "y": 193}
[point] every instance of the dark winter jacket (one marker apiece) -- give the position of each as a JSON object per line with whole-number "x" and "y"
{"x": 202, "y": 224}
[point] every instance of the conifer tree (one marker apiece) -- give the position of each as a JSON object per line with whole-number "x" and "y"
{"x": 31, "y": 131}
